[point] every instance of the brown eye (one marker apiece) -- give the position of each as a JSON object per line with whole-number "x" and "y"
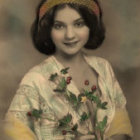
{"x": 80, "y": 24}
{"x": 58, "y": 26}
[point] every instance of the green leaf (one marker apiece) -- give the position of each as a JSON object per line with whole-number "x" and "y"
{"x": 94, "y": 98}
{"x": 86, "y": 92}
{"x": 72, "y": 98}
{"x": 59, "y": 90}
{"x": 74, "y": 128}
{"x": 101, "y": 125}
{"x": 65, "y": 70}
{"x": 63, "y": 83}
{"x": 84, "y": 116}
{"x": 104, "y": 122}
{"x": 80, "y": 96}
{"x": 99, "y": 104}
{"x": 65, "y": 121}
{"x": 53, "y": 76}
{"x": 61, "y": 86}
{"x": 36, "y": 113}
{"x": 103, "y": 105}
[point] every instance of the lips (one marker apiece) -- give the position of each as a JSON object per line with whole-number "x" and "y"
{"x": 70, "y": 43}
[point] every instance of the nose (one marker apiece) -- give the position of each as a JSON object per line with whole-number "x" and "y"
{"x": 69, "y": 34}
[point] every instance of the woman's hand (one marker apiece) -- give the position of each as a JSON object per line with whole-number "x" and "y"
{"x": 85, "y": 137}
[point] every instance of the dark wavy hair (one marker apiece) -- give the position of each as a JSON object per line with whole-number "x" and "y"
{"x": 41, "y": 29}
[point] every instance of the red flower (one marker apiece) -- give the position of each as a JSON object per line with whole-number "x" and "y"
{"x": 93, "y": 88}
{"x": 29, "y": 114}
{"x": 68, "y": 80}
{"x": 86, "y": 82}
{"x": 64, "y": 132}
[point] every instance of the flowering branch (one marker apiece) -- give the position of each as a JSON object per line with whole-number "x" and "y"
{"x": 65, "y": 124}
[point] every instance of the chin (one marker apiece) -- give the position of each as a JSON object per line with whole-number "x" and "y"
{"x": 71, "y": 53}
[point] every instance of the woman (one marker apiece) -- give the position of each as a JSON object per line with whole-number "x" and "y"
{"x": 70, "y": 95}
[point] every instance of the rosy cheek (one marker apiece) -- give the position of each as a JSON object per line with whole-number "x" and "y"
{"x": 56, "y": 36}
{"x": 84, "y": 35}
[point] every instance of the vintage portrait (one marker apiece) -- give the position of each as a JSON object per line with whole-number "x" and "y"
{"x": 69, "y": 70}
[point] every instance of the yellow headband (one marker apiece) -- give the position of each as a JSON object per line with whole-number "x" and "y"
{"x": 51, "y": 3}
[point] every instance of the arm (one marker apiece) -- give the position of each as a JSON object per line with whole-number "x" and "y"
{"x": 120, "y": 137}
{"x": 120, "y": 127}
{"x": 17, "y": 123}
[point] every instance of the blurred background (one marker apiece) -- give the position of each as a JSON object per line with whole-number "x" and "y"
{"x": 121, "y": 48}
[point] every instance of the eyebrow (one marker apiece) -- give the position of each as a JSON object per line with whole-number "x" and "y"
{"x": 79, "y": 19}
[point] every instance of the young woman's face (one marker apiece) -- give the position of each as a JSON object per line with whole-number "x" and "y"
{"x": 69, "y": 32}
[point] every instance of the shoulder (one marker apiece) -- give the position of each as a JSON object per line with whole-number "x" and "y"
{"x": 101, "y": 65}
{"x": 39, "y": 73}
{"x": 97, "y": 60}
{"x": 103, "y": 61}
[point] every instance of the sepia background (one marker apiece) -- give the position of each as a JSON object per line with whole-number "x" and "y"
{"x": 121, "y": 48}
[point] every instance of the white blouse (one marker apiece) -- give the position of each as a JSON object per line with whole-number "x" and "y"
{"x": 36, "y": 91}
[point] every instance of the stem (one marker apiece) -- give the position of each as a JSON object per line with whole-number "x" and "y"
{"x": 101, "y": 135}
{"x": 95, "y": 119}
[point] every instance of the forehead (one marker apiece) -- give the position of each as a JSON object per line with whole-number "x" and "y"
{"x": 67, "y": 14}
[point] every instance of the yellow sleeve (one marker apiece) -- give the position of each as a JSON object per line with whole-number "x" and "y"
{"x": 16, "y": 130}
{"x": 120, "y": 125}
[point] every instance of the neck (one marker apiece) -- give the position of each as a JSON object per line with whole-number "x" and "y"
{"x": 70, "y": 60}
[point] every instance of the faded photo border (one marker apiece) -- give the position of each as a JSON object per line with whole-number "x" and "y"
{"x": 121, "y": 47}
